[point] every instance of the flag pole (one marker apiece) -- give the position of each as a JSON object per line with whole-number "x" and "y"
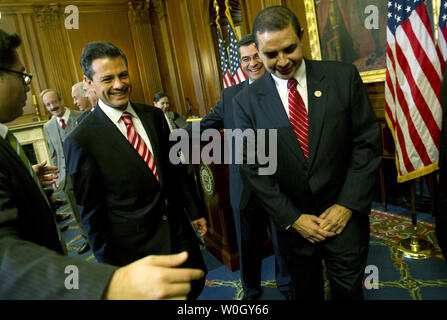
{"x": 216, "y": 7}
{"x": 230, "y": 20}
{"x": 414, "y": 247}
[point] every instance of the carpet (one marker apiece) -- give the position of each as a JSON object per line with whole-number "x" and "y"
{"x": 398, "y": 278}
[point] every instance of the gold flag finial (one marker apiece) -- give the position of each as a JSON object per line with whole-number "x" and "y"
{"x": 216, "y": 7}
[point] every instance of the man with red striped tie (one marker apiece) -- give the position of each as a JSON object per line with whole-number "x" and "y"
{"x": 132, "y": 199}
{"x": 328, "y": 154}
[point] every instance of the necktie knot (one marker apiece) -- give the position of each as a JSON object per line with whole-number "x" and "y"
{"x": 62, "y": 123}
{"x": 292, "y": 83}
{"x": 127, "y": 118}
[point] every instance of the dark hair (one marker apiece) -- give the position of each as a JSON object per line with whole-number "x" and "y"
{"x": 245, "y": 41}
{"x": 275, "y": 18}
{"x": 98, "y": 50}
{"x": 159, "y": 95}
{"x": 8, "y": 44}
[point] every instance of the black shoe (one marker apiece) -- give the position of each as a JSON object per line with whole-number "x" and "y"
{"x": 252, "y": 295}
{"x": 84, "y": 248}
{"x": 289, "y": 294}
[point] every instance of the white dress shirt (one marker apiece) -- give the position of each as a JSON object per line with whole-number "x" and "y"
{"x": 283, "y": 91}
{"x": 115, "y": 114}
{"x": 65, "y": 117}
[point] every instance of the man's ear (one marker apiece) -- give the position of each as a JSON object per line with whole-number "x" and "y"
{"x": 88, "y": 82}
{"x": 301, "y": 33}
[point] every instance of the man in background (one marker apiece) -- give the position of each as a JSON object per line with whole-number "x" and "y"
{"x": 79, "y": 93}
{"x": 57, "y": 129}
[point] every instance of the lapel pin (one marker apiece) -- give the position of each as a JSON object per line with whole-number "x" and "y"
{"x": 318, "y": 93}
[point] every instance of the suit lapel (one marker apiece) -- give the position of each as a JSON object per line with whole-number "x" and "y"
{"x": 5, "y": 144}
{"x": 272, "y": 103}
{"x": 109, "y": 130}
{"x": 317, "y": 94}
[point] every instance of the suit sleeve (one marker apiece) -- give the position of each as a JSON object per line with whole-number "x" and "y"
{"x": 51, "y": 148}
{"x": 214, "y": 119}
{"x": 88, "y": 191}
{"x": 281, "y": 209}
{"x": 358, "y": 188}
{"x": 31, "y": 271}
{"x": 183, "y": 175}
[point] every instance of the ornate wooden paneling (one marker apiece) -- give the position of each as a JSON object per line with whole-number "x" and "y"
{"x": 51, "y": 52}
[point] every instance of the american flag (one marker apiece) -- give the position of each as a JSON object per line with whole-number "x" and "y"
{"x": 228, "y": 79}
{"x": 235, "y": 65}
{"x": 442, "y": 32}
{"x": 412, "y": 89}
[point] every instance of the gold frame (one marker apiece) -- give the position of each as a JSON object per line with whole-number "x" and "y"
{"x": 378, "y": 75}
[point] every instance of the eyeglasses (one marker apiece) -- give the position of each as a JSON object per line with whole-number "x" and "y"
{"x": 26, "y": 77}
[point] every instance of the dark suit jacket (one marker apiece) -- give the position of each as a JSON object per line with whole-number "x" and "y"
{"x": 126, "y": 213}
{"x": 31, "y": 262}
{"x": 83, "y": 116}
{"x": 344, "y": 144}
{"x": 222, "y": 117}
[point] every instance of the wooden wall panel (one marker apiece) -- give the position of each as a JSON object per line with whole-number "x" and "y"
{"x": 118, "y": 34}
{"x": 51, "y": 52}
{"x": 182, "y": 54}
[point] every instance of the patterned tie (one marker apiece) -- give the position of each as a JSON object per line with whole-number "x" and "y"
{"x": 62, "y": 123}
{"x": 138, "y": 143}
{"x": 298, "y": 116}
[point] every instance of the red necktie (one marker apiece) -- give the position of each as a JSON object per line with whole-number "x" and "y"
{"x": 138, "y": 143}
{"x": 62, "y": 123}
{"x": 298, "y": 116}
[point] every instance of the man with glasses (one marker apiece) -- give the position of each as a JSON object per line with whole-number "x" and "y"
{"x": 250, "y": 220}
{"x": 32, "y": 261}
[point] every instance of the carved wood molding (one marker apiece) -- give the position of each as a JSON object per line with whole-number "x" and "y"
{"x": 269, "y": 3}
{"x": 160, "y": 7}
{"x": 139, "y": 10}
{"x": 48, "y": 16}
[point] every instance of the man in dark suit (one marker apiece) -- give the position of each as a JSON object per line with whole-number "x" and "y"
{"x": 250, "y": 221}
{"x": 328, "y": 153}
{"x": 441, "y": 214}
{"x": 130, "y": 196}
{"x": 32, "y": 261}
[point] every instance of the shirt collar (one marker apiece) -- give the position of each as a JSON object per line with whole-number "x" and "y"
{"x": 65, "y": 116}
{"x": 3, "y": 130}
{"x": 300, "y": 76}
{"x": 115, "y": 114}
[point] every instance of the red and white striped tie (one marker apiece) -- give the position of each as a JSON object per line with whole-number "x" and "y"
{"x": 298, "y": 116}
{"x": 138, "y": 143}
